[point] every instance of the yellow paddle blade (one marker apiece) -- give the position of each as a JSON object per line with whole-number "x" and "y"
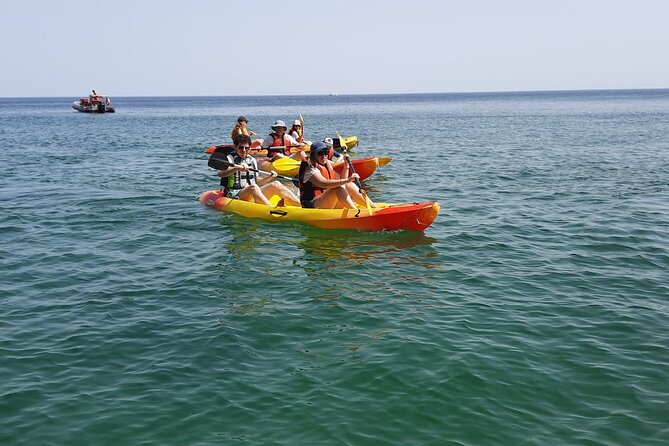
{"x": 302, "y": 120}
{"x": 383, "y": 160}
{"x": 286, "y": 162}
{"x": 367, "y": 202}
{"x": 342, "y": 143}
{"x": 286, "y": 166}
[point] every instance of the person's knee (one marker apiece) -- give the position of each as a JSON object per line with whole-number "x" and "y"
{"x": 272, "y": 187}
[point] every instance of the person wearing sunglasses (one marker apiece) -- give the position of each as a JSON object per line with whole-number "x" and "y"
{"x": 321, "y": 187}
{"x": 240, "y": 180}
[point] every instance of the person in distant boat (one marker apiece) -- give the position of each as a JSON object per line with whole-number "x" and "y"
{"x": 278, "y": 143}
{"x": 95, "y": 98}
{"x": 321, "y": 187}
{"x": 241, "y": 129}
{"x": 239, "y": 181}
{"x": 297, "y": 132}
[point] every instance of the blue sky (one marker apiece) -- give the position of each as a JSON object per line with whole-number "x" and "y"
{"x": 260, "y": 47}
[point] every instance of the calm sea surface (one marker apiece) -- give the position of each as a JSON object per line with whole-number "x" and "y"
{"x": 535, "y": 310}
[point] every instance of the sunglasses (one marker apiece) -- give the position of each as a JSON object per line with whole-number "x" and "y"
{"x": 323, "y": 152}
{"x": 244, "y": 148}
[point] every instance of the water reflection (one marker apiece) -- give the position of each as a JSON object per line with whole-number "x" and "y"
{"x": 328, "y": 251}
{"x": 357, "y": 246}
{"x": 277, "y": 258}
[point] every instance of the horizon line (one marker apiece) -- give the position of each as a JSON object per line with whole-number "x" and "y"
{"x": 352, "y": 94}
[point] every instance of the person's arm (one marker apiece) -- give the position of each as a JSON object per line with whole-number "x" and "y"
{"x": 294, "y": 143}
{"x": 318, "y": 180}
{"x": 344, "y": 170}
{"x": 232, "y": 169}
{"x": 264, "y": 180}
{"x": 267, "y": 142}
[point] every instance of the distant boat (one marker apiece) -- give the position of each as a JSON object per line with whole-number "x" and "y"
{"x": 333, "y": 94}
{"x": 94, "y": 103}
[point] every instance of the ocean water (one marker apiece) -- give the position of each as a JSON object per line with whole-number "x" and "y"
{"x": 534, "y": 311}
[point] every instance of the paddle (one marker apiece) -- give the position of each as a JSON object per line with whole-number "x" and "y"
{"x": 383, "y": 160}
{"x": 218, "y": 162}
{"x": 286, "y": 162}
{"x": 342, "y": 144}
{"x": 357, "y": 181}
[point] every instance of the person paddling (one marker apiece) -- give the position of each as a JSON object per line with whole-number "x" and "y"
{"x": 239, "y": 181}
{"x": 321, "y": 187}
{"x": 297, "y": 132}
{"x": 278, "y": 143}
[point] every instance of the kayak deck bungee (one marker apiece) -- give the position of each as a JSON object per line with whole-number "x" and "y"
{"x": 387, "y": 217}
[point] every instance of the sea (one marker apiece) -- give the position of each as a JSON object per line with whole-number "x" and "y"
{"x": 534, "y": 311}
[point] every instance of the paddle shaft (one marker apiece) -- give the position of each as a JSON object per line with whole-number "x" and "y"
{"x": 350, "y": 166}
{"x": 220, "y": 164}
{"x": 357, "y": 182}
{"x": 275, "y": 147}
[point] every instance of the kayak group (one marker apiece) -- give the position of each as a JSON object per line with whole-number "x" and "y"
{"x": 329, "y": 193}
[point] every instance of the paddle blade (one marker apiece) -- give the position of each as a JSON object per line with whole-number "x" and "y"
{"x": 342, "y": 143}
{"x": 286, "y": 166}
{"x": 286, "y": 162}
{"x": 219, "y": 161}
{"x": 383, "y": 160}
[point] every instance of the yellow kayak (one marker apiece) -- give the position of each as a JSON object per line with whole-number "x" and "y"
{"x": 387, "y": 217}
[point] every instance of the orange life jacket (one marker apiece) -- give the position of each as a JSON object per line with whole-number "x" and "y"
{"x": 307, "y": 190}
{"x": 238, "y": 130}
{"x": 278, "y": 142}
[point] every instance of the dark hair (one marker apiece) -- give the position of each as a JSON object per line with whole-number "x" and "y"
{"x": 240, "y": 139}
{"x": 242, "y": 119}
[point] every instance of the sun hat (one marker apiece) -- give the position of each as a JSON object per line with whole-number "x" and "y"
{"x": 279, "y": 123}
{"x": 242, "y": 119}
{"x": 297, "y": 122}
{"x": 328, "y": 142}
